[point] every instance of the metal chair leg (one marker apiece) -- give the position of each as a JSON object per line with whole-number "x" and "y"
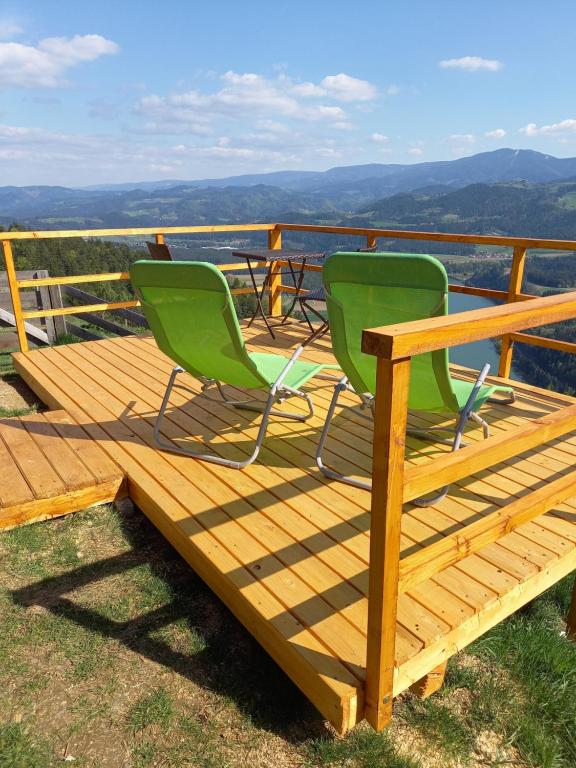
{"x": 278, "y": 391}
{"x": 331, "y": 473}
{"x": 465, "y": 414}
{"x": 456, "y": 442}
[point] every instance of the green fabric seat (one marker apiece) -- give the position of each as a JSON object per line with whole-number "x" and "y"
{"x": 366, "y": 290}
{"x": 190, "y": 311}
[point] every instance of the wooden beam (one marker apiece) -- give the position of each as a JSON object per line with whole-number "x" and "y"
{"x": 392, "y": 380}
{"x": 431, "y": 682}
{"x": 420, "y": 480}
{"x": 434, "y": 558}
{"x": 82, "y": 308}
{"x": 82, "y": 333}
{"x": 439, "y": 237}
{"x": 71, "y": 501}
{"x": 489, "y": 293}
{"x": 160, "y": 239}
{"x": 104, "y": 324}
{"x": 73, "y": 279}
{"x": 50, "y": 234}
{"x": 275, "y": 296}
{"x": 15, "y": 295}
{"x": 37, "y": 334}
{"x": 60, "y": 325}
{"x": 416, "y": 337}
{"x": 544, "y": 341}
{"x": 514, "y": 288}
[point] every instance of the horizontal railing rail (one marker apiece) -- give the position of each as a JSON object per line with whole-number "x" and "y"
{"x": 416, "y": 337}
{"x": 421, "y": 480}
{"x": 454, "y": 547}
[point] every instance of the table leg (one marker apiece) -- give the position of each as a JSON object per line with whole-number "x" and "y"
{"x": 297, "y": 282}
{"x": 259, "y": 296}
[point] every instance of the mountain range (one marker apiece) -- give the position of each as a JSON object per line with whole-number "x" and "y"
{"x": 506, "y": 191}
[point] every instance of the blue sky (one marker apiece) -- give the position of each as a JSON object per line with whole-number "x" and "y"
{"x": 114, "y": 91}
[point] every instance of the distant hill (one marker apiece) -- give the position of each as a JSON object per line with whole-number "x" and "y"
{"x": 58, "y": 207}
{"x": 521, "y": 209}
{"x": 353, "y": 186}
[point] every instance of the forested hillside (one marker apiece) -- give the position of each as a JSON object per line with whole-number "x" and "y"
{"x": 519, "y": 209}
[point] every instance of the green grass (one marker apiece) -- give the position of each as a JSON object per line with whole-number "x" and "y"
{"x": 362, "y": 749}
{"x": 19, "y": 749}
{"x": 111, "y": 647}
{"x": 154, "y": 708}
{"x": 523, "y": 688}
{"x": 6, "y": 366}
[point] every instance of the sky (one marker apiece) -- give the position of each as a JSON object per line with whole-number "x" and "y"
{"x": 126, "y": 90}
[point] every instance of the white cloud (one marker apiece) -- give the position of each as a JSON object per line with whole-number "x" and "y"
{"x": 415, "y": 151}
{"x": 497, "y": 133}
{"x": 32, "y": 155}
{"x": 471, "y": 64}
{"x": 307, "y": 90}
{"x": 462, "y": 138}
{"x": 563, "y": 128}
{"x": 379, "y": 138}
{"x": 392, "y": 90}
{"x": 43, "y": 66}
{"x": 245, "y": 96}
{"x": 346, "y": 88}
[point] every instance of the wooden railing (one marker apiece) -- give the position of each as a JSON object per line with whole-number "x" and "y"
{"x": 274, "y": 232}
{"x": 393, "y": 483}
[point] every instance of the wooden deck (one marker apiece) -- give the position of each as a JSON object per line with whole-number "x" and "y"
{"x": 50, "y": 468}
{"x": 286, "y": 549}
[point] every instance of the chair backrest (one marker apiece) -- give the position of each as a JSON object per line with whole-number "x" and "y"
{"x": 159, "y": 251}
{"x": 191, "y": 314}
{"x": 366, "y": 290}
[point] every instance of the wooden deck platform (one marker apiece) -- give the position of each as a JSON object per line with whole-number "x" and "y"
{"x": 286, "y": 549}
{"x": 50, "y": 467}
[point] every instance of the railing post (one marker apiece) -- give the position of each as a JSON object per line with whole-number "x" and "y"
{"x": 275, "y": 305}
{"x": 15, "y": 295}
{"x": 392, "y": 380}
{"x": 371, "y": 241}
{"x": 159, "y": 239}
{"x": 514, "y": 288}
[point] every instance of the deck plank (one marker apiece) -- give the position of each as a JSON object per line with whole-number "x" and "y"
{"x": 40, "y": 474}
{"x": 17, "y": 491}
{"x": 73, "y": 473}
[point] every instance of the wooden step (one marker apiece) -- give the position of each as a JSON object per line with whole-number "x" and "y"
{"x": 51, "y": 467}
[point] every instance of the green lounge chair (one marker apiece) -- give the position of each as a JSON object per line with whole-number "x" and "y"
{"x": 190, "y": 312}
{"x": 365, "y": 290}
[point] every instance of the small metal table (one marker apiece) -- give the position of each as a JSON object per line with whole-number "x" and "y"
{"x": 296, "y": 261}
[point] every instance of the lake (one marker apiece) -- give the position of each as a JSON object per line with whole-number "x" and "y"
{"x": 473, "y": 355}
